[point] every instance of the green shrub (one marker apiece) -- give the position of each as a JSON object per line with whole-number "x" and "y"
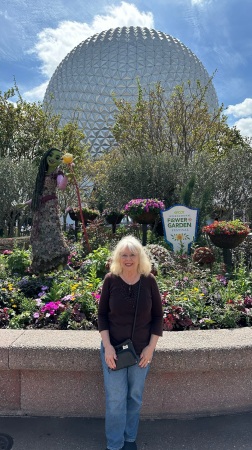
{"x": 19, "y": 261}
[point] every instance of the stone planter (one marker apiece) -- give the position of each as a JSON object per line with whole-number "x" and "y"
{"x": 227, "y": 240}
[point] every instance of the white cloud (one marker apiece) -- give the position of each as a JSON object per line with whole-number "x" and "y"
{"x": 245, "y": 126}
{"x": 54, "y": 44}
{"x": 243, "y": 109}
{"x": 37, "y": 93}
{"x": 200, "y": 2}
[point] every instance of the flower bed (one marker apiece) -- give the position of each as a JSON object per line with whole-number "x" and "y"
{"x": 192, "y": 298}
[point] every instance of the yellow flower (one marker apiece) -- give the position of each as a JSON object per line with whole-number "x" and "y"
{"x": 74, "y": 287}
{"x": 179, "y": 237}
{"x": 14, "y": 306}
{"x": 195, "y": 289}
{"x": 67, "y": 158}
{"x": 10, "y": 287}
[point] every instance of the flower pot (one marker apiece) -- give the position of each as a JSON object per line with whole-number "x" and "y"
{"x": 114, "y": 219}
{"x": 75, "y": 215}
{"x": 88, "y": 216}
{"x": 227, "y": 240}
{"x": 145, "y": 217}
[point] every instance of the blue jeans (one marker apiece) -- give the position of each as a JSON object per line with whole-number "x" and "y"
{"x": 124, "y": 392}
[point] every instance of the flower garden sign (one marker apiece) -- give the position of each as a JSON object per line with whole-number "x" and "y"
{"x": 180, "y": 225}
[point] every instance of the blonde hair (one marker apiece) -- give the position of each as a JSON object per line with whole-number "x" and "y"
{"x": 135, "y": 246}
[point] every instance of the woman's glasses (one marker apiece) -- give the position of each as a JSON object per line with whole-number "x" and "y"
{"x": 131, "y": 256}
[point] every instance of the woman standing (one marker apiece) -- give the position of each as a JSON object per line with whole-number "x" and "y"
{"x": 129, "y": 279}
{"x": 49, "y": 249}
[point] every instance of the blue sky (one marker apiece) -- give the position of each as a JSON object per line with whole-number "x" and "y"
{"x": 36, "y": 35}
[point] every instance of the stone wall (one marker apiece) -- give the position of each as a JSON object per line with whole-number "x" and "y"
{"x": 58, "y": 373}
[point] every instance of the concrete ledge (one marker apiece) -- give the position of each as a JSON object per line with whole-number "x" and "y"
{"x": 196, "y": 373}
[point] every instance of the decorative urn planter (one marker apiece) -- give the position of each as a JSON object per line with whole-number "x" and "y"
{"x": 227, "y": 241}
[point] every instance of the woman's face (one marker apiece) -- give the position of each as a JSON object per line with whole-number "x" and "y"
{"x": 129, "y": 259}
{"x": 54, "y": 159}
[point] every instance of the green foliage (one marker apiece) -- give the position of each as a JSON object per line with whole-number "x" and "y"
{"x": 179, "y": 125}
{"x": 98, "y": 259}
{"x": 186, "y": 194}
{"x": 16, "y": 186}
{"x": 174, "y": 149}
{"x": 192, "y": 297}
{"x": 56, "y": 292}
{"x": 27, "y": 130}
{"x": 31, "y": 286}
{"x": 19, "y": 261}
{"x": 242, "y": 279}
{"x": 133, "y": 176}
{"x": 21, "y": 320}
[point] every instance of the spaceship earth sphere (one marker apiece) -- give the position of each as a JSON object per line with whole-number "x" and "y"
{"x": 111, "y": 62}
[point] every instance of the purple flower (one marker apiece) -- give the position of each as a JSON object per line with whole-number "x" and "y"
{"x": 139, "y": 205}
{"x": 36, "y": 315}
{"x": 50, "y": 308}
{"x": 44, "y": 288}
{"x": 67, "y": 298}
{"x": 248, "y": 301}
{"x": 7, "y": 252}
{"x": 223, "y": 280}
{"x": 41, "y": 294}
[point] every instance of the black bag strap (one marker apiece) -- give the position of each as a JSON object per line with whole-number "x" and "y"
{"x": 134, "y": 324}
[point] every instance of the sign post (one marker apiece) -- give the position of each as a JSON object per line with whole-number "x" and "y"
{"x": 180, "y": 225}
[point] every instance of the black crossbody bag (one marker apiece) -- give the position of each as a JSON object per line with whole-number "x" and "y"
{"x": 125, "y": 352}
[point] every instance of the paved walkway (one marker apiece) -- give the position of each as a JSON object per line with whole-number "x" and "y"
{"x": 50, "y": 433}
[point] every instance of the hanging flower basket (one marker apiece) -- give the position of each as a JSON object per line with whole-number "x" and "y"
{"x": 88, "y": 214}
{"x": 145, "y": 218}
{"x": 113, "y": 217}
{"x": 227, "y": 241}
{"x": 227, "y": 234}
{"x": 144, "y": 211}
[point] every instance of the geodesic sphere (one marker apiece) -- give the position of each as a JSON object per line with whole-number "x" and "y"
{"x": 111, "y": 62}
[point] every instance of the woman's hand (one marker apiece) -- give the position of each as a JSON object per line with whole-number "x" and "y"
{"x": 146, "y": 356}
{"x": 110, "y": 356}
